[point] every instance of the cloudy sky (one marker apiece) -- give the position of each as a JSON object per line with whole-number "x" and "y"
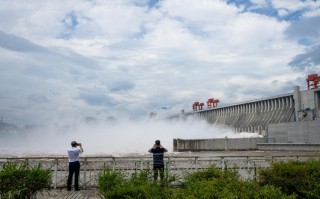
{"x": 67, "y": 60}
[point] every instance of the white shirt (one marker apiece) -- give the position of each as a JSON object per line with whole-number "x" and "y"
{"x": 74, "y": 153}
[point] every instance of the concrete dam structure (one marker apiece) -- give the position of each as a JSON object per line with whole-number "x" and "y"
{"x": 292, "y": 118}
{"x": 256, "y": 115}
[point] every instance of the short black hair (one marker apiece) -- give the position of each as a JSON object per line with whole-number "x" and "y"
{"x": 74, "y": 143}
{"x": 157, "y": 142}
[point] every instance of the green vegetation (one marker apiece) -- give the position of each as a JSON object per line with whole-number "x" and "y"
{"x": 215, "y": 183}
{"x": 282, "y": 181}
{"x": 113, "y": 184}
{"x": 299, "y": 178}
{"x": 22, "y": 181}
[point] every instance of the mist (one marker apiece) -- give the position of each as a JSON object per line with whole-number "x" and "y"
{"x": 101, "y": 138}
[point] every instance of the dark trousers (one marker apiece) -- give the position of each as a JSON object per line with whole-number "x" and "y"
{"x": 156, "y": 170}
{"x": 74, "y": 168}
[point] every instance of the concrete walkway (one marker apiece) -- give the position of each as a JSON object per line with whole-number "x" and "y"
{"x": 64, "y": 194}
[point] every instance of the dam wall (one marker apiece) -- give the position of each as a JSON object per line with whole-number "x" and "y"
{"x": 303, "y": 132}
{"x": 288, "y": 147}
{"x": 220, "y": 144}
{"x": 257, "y": 115}
{"x": 240, "y": 144}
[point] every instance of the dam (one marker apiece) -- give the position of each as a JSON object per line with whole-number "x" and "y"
{"x": 256, "y": 115}
{"x": 292, "y": 118}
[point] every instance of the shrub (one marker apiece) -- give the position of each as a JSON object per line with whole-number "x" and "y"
{"x": 21, "y": 181}
{"x": 283, "y": 181}
{"x": 109, "y": 180}
{"x": 211, "y": 173}
{"x": 215, "y": 183}
{"x": 208, "y": 183}
{"x": 293, "y": 177}
{"x": 113, "y": 184}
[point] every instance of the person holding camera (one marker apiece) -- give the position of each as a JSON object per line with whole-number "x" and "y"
{"x": 158, "y": 163}
{"x": 74, "y": 164}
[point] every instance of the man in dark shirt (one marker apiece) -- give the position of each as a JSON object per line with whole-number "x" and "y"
{"x": 158, "y": 163}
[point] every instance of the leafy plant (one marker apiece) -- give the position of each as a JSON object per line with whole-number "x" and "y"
{"x": 215, "y": 183}
{"x": 109, "y": 180}
{"x": 113, "y": 184}
{"x": 282, "y": 180}
{"x": 293, "y": 177}
{"x": 212, "y": 173}
{"x": 21, "y": 181}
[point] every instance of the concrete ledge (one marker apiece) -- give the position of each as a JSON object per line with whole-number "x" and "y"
{"x": 288, "y": 147}
{"x": 219, "y": 144}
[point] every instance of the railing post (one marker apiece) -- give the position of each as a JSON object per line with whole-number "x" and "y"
{"x": 169, "y": 166}
{"x": 85, "y": 173}
{"x": 113, "y": 163}
{"x": 196, "y": 163}
{"x": 141, "y": 163}
{"x": 248, "y": 169}
{"x": 222, "y": 163}
{"x": 55, "y": 173}
{"x": 255, "y": 171}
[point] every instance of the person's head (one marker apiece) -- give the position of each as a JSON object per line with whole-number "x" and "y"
{"x": 74, "y": 144}
{"x": 157, "y": 142}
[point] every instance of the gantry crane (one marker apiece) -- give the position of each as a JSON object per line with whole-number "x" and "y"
{"x": 313, "y": 81}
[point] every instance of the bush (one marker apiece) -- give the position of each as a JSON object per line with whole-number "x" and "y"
{"x": 21, "y": 181}
{"x": 215, "y": 183}
{"x": 211, "y": 173}
{"x": 113, "y": 184}
{"x": 282, "y": 181}
{"x": 300, "y": 178}
{"x": 109, "y": 180}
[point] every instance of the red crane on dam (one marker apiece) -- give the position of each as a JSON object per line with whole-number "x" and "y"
{"x": 313, "y": 81}
{"x": 197, "y": 106}
{"x": 211, "y": 103}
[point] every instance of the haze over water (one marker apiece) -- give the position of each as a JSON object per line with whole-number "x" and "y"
{"x": 131, "y": 137}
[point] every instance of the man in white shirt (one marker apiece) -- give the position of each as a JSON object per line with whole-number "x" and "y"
{"x": 74, "y": 164}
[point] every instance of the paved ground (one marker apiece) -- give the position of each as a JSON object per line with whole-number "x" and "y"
{"x": 64, "y": 194}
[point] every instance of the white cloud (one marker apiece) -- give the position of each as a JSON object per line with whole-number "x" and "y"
{"x": 294, "y": 5}
{"x": 99, "y": 58}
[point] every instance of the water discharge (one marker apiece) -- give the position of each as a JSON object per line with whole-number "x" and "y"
{"x": 131, "y": 137}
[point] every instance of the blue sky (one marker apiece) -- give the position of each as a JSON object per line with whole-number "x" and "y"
{"x": 67, "y": 60}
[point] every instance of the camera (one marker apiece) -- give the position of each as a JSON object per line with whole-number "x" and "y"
{"x": 78, "y": 144}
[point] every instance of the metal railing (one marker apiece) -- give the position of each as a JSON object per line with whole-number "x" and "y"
{"x": 177, "y": 166}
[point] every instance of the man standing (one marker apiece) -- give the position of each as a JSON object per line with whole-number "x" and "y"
{"x": 158, "y": 163}
{"x": 74, "y": 165}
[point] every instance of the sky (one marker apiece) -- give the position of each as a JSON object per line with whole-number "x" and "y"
{"x": 69, "y": 60}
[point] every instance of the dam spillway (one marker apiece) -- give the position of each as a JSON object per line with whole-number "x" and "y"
{"x": 257, "y": 115}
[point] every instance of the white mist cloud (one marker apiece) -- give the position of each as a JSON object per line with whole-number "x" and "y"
{"x": 99, "y": 138}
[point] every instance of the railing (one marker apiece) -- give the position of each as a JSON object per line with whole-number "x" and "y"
{"x": 177, "y": 166}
